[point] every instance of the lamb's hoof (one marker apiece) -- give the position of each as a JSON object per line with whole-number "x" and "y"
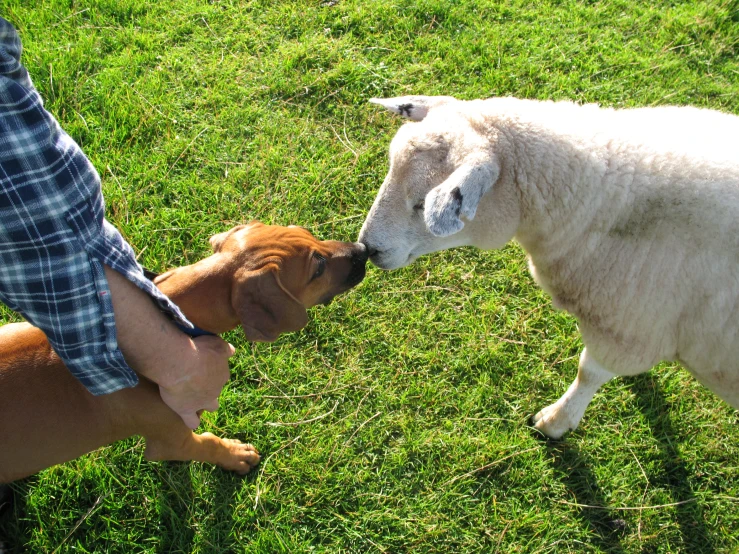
{"x": 550, "y": 423}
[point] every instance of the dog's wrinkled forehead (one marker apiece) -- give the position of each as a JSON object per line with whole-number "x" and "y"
{"x": 255, "y": 245}
{"x": 256, "y": 236}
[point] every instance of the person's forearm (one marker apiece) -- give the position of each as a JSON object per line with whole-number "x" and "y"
{"x": 146, "y": 336}
{"x": 190, "y": 372}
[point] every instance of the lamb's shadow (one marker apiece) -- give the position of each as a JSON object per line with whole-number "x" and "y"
{"x": 607, "y": 525}
{"x": 182, "y": 508}
{"x": 674, "y": 474}
{"x": 574, "y": 469}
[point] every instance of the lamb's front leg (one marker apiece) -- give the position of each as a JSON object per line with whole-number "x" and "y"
{"x": 565, "y": 414}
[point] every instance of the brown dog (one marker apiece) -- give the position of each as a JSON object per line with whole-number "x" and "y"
{"x": 263, "y": 277}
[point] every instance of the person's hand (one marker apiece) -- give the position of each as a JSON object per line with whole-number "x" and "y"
{"x": 190, "y": 372}
{"x": 204, "y": 372}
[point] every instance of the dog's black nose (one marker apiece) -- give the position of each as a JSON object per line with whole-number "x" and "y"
{"x": 359, "y": 262}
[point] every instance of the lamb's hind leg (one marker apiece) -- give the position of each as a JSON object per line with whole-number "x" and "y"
{"x": 565, "y": 414}
{"x": 184, "y": 445}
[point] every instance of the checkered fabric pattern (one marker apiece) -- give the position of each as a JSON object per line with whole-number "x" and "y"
{"x": 54, "y": 238}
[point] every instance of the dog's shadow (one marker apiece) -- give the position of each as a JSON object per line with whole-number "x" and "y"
{"x": 177, "y": 503}
{"x": 186, "y": 504}
{"x": 609, "y": 524}
{"x": 13, "y": 535}
{"x": 207, "y": 507}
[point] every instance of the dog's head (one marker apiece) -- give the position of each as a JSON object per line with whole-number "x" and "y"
{"x": 276, "y": 273}
{"x": 442, "y": 165}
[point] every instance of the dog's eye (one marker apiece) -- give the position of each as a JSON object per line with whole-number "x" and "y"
{"x": 418, "y": 207}
{"x": 321, "y": 261}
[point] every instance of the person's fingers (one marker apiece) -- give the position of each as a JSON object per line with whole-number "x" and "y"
{"x": 191, "y": 419}
{"x": 211, "y": 406}
{"x": 217, "y": 344}
{"x": 200, "y": 390}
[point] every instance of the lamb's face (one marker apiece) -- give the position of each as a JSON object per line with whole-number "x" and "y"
{"x": 439, "y": 171}
{"x": 395, "y": 231}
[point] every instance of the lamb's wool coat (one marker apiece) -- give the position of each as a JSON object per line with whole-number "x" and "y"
{"x": 630, "y": 219}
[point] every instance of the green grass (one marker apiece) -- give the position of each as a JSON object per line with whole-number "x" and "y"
{"x": 199, "y": 115}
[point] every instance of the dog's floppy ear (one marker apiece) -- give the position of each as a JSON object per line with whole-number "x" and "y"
{"x": 458, "y": 195}
{"x": 265, "y": 307}
{"x": 412, "y": 107}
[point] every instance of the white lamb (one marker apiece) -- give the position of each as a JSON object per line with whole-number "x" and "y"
{"x": 630, "y": 219}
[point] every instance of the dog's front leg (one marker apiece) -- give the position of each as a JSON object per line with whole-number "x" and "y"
{"x": 230, "y": 454}
{"x": 168, "y": 438}
{"x": 565, "y": 414}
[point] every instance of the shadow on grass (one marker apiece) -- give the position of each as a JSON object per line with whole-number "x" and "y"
{"x": 13, "y": 533}
{"x": 674, "y": 474}
{"x": 607, "y": 525}
{"x": 176, "y": 501}
{"x": 219, "y": 535}
{"x": 183, "y": 510}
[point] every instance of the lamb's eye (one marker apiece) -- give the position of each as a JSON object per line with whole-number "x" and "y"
{"x": 321, "y": 261}
{"x": 418, "y": 207}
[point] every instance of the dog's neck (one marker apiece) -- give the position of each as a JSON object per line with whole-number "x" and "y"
{"x": 203, "y": 292}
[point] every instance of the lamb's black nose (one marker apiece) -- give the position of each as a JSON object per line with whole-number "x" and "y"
{"x": 371, "y": 251}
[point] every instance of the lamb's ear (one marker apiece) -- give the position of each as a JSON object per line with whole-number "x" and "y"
{"x": 412, "y": 107}
{"x": 458, "y": 195}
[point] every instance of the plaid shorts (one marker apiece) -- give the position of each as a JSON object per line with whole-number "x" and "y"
{"x": 54, "y": 238}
